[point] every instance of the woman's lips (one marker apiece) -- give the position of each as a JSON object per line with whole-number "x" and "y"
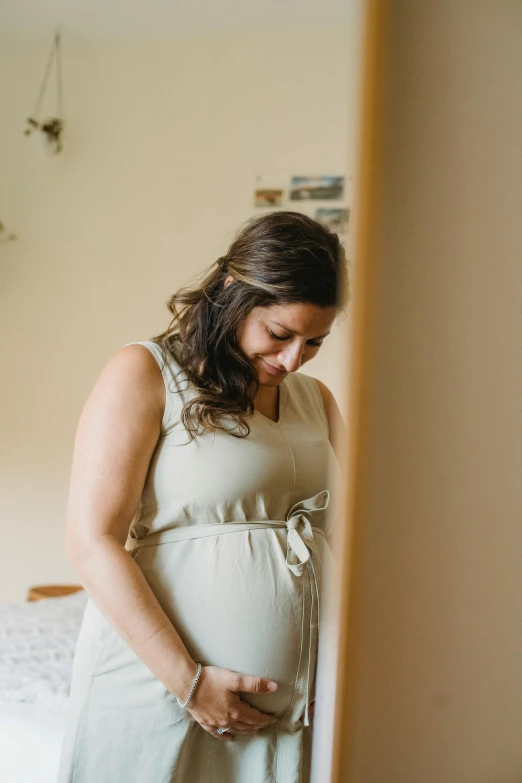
{"x": 272, "y": 370}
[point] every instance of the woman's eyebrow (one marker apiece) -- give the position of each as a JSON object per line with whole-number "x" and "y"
{"x": 282, "y": 326}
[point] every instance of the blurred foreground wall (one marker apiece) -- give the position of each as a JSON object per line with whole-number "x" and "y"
{"x": 436, "y": 695}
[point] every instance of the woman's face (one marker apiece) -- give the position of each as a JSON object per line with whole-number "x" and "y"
{"x": 279, "y": 339}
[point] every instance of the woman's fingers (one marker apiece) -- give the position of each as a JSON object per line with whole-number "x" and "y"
{"x": 237, "y": 729}
{"x": 212, "y": 730}
{"x": 248, "y": 714}
{"x": 245, "y": 683}
{"x": 217, "y": 702}
{"x": 246, "y": 728}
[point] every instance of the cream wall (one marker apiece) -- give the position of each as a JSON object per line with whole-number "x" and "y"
{"x": 164, "y": 140}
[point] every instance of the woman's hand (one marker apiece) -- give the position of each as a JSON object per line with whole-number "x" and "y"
{"x": 217, "y": 704}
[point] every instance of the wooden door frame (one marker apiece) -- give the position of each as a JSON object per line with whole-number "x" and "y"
{"x": 375, "y": 15}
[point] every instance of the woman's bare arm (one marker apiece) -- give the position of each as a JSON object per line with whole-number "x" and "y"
{"x": 116, "y": 437}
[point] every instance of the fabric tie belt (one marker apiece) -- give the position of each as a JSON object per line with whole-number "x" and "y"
{"x": 300, "y": 545}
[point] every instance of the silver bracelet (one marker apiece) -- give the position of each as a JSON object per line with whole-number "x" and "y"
{"x": 194, "y": 686}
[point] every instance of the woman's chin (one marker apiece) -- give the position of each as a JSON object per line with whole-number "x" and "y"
{"x": 270, "y": 381}
{"x": 267, "y": 379}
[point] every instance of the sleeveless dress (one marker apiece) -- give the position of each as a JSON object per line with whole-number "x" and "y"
{"x": 231, "y": 537}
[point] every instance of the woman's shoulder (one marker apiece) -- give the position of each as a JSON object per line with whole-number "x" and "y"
{"x": 163, "y": 357}
{"x": 134, "y": 361}
{"x": 314, "y": 387}
{"x": 153, "y": 370}
{"x": 326, "y": 395}
{"x": 130, "y": 385}
{"x": 157, "y": 355}
{"x": 336, "y": 425}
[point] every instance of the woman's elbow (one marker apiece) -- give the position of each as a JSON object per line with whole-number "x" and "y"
{"x": 79, "y": 547}
{"x": 83, "y": 548}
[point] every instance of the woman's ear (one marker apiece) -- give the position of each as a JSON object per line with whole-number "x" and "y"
{"x": 228, "y": 280}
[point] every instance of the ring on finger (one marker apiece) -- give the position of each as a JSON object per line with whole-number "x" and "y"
{"x": 222, "y": 731}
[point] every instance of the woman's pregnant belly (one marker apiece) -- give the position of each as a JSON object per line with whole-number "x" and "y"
{"x": 236, "y": 605}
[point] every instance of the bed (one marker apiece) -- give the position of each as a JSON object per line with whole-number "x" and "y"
{"x": 37, "y": 643}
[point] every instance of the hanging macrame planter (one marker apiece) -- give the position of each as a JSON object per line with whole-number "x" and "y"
{"x": 51, "y": 127}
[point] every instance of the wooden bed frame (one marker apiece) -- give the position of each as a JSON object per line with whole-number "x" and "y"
{"x": 38, "y": 592}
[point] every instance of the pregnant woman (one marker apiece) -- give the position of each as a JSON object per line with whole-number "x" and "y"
{"x": 196, "y": 522}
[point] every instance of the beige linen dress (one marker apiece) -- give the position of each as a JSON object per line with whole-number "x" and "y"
{"x": 231, "y": 538}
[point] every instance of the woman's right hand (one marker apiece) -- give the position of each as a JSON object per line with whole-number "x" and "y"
{"x": 217, "y": 704}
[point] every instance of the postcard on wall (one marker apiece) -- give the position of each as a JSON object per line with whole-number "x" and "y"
{"x": 316, "y": 188}
{"x": 337, "y": 220}
{"x": 268, "y": 197}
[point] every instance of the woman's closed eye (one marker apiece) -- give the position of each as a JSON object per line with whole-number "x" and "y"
{"x": 316, "y": 343}
{"x": 278, "y": 336}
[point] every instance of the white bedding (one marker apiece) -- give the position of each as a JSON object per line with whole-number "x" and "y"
{"x": 37, "y": 643}
{"x": 30, "y": 743}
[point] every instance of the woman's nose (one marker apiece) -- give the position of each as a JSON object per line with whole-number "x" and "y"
{"x": 291, "y": 358}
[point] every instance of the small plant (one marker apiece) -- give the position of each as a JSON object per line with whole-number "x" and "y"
{"x": 52, "y": 127}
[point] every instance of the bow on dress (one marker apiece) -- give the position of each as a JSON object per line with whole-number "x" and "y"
{"x": 300, "y": 547}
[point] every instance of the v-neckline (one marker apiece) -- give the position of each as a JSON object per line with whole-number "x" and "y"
{"x": 281, "y": 407}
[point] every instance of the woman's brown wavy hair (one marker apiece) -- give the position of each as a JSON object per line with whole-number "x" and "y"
{"x": 275, "y": 259}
